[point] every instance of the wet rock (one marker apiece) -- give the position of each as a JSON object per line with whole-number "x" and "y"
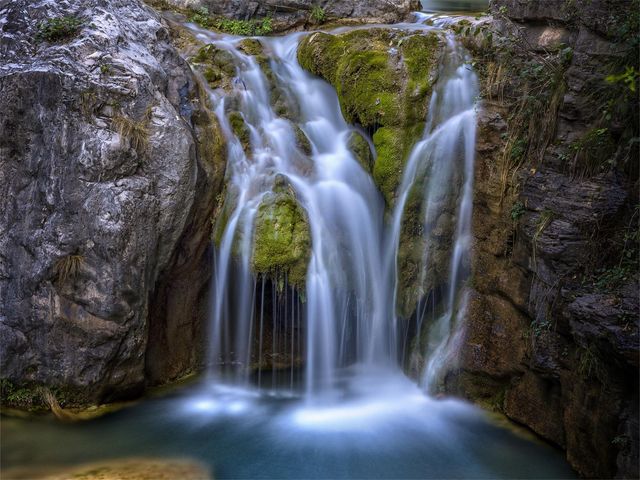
{"x": 282, "y": 239}
{"x": 383, "y": 79}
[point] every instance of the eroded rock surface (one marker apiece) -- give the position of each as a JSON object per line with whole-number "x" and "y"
{"x": 552, "y": 328}
{"x": 101, "y": 174}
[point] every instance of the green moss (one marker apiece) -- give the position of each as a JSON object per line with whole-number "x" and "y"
{"x": 216, "y": 65}
{"x": 420, "y": 54}
{"x": 393, "y": 145}
{"x": 251, "y": 46}
{"x": 383, "y": 80}
{"x": 240, "y": 129}
{"x": 361, "y": 151}
{"x": 282, "y": 239}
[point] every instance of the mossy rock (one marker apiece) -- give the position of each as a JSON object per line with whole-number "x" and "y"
{"x": 383, "y": 79}
{"x": 282, "y": 239}
{"x": 302, "y": 140}
{"x": 251, "y": 46}
{"x": 240, "y": 129}
{"x": 361, "y": 150}
{"x": 216, "y": 65}
{"x": 393, "y": 145}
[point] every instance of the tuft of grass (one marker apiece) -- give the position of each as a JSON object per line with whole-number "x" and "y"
{"x": 546, "y": 217}
{"x": 593, "y": 153}
{"x": 590, "y": 364}
{"x": 67, "y": 268}
{"x": 135, "y": 131}
{"x": 59, "y": 29}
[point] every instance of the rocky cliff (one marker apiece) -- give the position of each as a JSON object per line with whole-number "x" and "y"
{"x": 291, "y": 14}
{"x": 552, "y": 328}
{"x": 107, "y": 195}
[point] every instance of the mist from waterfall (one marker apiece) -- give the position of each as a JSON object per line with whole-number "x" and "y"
{"x": 346, "y": 317}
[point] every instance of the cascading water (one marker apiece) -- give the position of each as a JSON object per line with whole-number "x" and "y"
{"x": 442, "y": 164}
{"x": 349, "y": 313}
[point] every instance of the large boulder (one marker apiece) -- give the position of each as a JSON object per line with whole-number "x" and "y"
{"x": 100, "y": 176}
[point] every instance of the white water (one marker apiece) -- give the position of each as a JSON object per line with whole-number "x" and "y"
{"x": 347, "y": 314}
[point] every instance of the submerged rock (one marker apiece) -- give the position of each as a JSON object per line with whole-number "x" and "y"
{"x": 384, "y": 79}
{"x": 102, "y": 179}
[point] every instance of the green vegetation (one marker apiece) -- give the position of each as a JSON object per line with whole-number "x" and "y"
{"x": 240, "y": 129}
{"x": 590, "y": 365}
{"x": 59, "y": 29}
{"x": 317, "y": 15}
{"x": 544, "y": 220}
{"x": 361, "y": 151}
{"x": 282, "y": 239}
{"x": 232, "y": 26}
{"x": 384, "y": 92}
{"x": 517, "y": 211}
{"x": 216, "y": 65}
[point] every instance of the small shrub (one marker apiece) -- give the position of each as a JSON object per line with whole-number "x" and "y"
{"x": 265, "y": 27}
{"x": 59, "y": 29}
{"x": 318, "y": 15}
{"x": 517, "y": 211}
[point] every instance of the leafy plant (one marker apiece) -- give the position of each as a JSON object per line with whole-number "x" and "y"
{"x": 59, "y": 28}
{"x": 629, "y": 78}
{"x": 517, "y": 211}
{"x": 318, "y": 15}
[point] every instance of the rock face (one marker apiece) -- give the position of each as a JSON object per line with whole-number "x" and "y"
{"x": 289, "y": 14}
{"x": 101, "y": 177}
{"x": 552, "y": 332}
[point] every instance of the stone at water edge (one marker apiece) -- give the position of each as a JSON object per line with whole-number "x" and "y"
{"x": 119, "y": 469}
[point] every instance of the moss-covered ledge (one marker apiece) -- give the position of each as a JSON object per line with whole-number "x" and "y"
{"x": 384, "y": 79}
{"x": 282, "y": 239}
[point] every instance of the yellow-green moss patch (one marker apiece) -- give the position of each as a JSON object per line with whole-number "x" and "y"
{"x": 383, "y": 79}
{"x": 282, "y": 239}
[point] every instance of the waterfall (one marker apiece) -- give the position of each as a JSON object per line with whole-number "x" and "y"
{"x": 445, "y": 157}
{"x": 346, "y": 314}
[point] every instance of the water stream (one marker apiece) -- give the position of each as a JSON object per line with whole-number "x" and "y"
{"x": 336, "y": 403}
